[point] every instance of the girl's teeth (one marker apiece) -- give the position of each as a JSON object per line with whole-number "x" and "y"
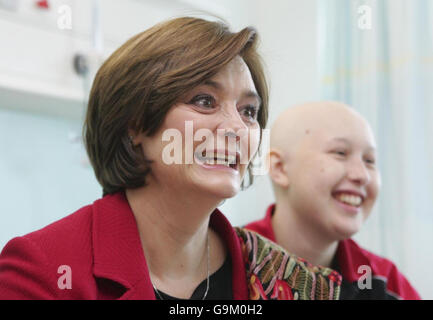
{"x": 350, "y": 199}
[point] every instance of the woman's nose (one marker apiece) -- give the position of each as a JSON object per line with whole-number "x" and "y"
{"x": 232, "y": 131}
{"x": 231, "y": 121}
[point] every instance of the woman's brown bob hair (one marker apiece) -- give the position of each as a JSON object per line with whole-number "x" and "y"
{"x": 138, "y": 84}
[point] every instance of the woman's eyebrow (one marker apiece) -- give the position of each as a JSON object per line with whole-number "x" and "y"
{"x": 246, "y": 94}
{"x": 213, "y": 84}
{"x": 252, "y": 94}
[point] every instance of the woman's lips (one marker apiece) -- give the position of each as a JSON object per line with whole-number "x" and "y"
{"x": 218, "y": 167}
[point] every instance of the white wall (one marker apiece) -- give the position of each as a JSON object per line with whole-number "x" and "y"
{"x": 36, "y": 56}
{"x": 43, "y": 173}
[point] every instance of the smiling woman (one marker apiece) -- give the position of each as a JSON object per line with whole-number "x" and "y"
{"x": 216, "y": 110}
{"x": 179, "y": 58}
{"x": 157, "y": 232}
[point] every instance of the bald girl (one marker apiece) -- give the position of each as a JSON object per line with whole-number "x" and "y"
{"x": 326, "y": 181}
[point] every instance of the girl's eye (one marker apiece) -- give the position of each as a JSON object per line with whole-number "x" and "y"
{"x": 370, "y": 161}
{"x": 204, "y": 101}
{"x": 340, "y": 152}
{"x": 250, "y": 112}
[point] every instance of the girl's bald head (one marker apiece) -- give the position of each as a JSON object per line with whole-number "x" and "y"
{"x": 310, "y": 120}
{"x": 320, "y": 152}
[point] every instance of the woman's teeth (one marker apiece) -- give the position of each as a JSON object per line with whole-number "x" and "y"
{"x": 350, "y": 199}
{"x": 221, "y": 159}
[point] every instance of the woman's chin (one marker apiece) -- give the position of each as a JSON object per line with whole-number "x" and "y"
{"x": 226, "y": 192}
{"x": 221, "y": 190}
{"x": 222, "y": 185}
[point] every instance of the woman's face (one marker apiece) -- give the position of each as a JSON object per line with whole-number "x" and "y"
{"x": 194, "y": 133}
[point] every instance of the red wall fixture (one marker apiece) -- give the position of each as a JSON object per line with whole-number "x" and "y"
{"x": 43, "y": 4}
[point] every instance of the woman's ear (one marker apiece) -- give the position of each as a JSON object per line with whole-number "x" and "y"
{"x": 277, "y": 168}
{"x": 134, "y": 137}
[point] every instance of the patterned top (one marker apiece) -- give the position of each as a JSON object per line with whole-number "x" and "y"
{"x": 273, "y": 273}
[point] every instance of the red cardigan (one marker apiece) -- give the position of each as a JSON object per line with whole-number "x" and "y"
{"x": 388, "y": 282}
{"x": 100, "y": 244}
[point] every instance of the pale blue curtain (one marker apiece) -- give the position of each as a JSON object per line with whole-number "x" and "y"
{"x": 386, "y": 73}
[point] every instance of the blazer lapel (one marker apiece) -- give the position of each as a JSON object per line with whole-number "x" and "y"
{"x": 118, "y": 254}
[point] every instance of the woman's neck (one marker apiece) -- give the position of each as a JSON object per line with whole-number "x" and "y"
{"x": 300, "y": 238}
{"x": 173, "y": 232}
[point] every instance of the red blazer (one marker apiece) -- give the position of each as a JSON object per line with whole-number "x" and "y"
{"x": 101, "y": 245}
{"x": 387, "y": 283}
{"x": 98, "y": 249}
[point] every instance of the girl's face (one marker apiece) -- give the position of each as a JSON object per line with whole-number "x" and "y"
{"x": 334, "y": 180}
{"x": 194, "y": 132}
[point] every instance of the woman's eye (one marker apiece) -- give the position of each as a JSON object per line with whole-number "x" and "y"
{"x": 250, "y": 112}
{"x": 203, "y": 101}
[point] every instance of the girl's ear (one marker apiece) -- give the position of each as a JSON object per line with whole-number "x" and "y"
{"x": 277, "y": 169}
